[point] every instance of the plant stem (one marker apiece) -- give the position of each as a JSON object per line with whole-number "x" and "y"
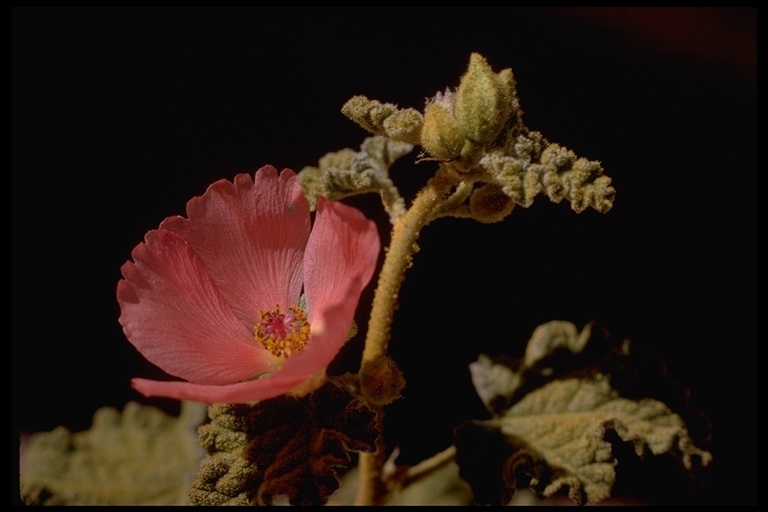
{"x": 399, "y": 257}
{"x": 427, "y": 467}
{"x": 370, "y": 489}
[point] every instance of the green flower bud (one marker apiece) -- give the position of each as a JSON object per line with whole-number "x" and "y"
{"x": 441, "y": 134}
{"x": 505, "y": 81}
{"x": 484, "y": 100}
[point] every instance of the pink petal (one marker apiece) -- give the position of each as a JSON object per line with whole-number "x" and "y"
{"x": 172, "y": 312}
{"x": 341, "y": 257}
{"x": 343, "y": 249}
{"x": 250, "y": 236}
{"x": 296, "y": 370}
{"x": 241, "y": 392}
{"x": 330, "y": 328}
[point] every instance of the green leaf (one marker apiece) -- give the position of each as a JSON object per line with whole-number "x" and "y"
{"x": 347, "y": 172}
{"x": 555, "y": 349}
{"x": 529, "y": 165}
{"x": 138, "y": 457}
{"x": 555, "y": 409}
{"x": 555, "y": 436}
{"x": 286, "y": 446}
{"x": 385, "y": 119}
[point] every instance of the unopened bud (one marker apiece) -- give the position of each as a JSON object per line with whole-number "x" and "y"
{"x": 441, "y": 134}
{"x": 381, "y": 381}
{"x": 490, "y": 204}
{"x": 484, "y": 100}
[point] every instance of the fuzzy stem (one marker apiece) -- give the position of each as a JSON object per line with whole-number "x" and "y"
{"x": 399, "y": 257}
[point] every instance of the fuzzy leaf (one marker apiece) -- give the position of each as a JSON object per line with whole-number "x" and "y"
{"x": 385, "y": 119}
{"x": 529, "y": 165}
{"x": 138, "y": 457}
{"x": 555, "y": 349}
{"x": 555, "y": 409}
{"x": 493, "y": 382}
{"x": 347, "y": 172}
{"x": 285, "y": 446}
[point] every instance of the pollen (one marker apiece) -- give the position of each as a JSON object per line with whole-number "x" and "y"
{"x": 283, "y": 334}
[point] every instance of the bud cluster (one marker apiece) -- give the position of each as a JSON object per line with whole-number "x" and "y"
{"x": 459, "y": 125}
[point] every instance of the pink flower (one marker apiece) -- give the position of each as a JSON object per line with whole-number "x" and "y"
{"x": 214, "y": 298}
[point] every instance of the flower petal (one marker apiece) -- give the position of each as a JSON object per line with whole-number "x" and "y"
{"x": 172, "y": 312}
{"x": 294, "y": 372}
{"x": 250, "y": 236}
{"x": 329, "y": 332}
{"x": 341, "y": 257}
{"x": 343, "y": 249}
{"x": 240, "y": 392}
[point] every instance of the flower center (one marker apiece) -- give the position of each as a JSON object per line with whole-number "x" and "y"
{"x": 283, "y": 334}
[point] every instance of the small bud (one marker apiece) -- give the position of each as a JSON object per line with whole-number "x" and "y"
{"x": 490, "y": 204}
{"x": 505, "y": 81}
{"x": 381, "y": 381}
{"x": 484, "y": 100}
{"x": 441, "y": 134}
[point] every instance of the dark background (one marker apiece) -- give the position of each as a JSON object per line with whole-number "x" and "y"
{"x": 121, "y": 115}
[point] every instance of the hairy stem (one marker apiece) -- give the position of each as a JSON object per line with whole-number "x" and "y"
{"x": 399, "y": 257}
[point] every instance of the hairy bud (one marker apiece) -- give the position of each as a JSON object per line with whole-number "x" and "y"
{"x": 484, "y": 100}
{"x": 381, "y": 381}
{"x": 490, "y": 204}
{"x": 441, "y": 134}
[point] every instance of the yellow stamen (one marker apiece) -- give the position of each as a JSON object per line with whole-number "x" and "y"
{"x": 283, "y": 335}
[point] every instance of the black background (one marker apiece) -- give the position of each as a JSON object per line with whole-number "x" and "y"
{"x": 121, "y": 115}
